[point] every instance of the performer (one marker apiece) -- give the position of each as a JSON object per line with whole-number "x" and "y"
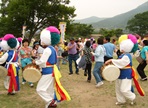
{"x": 124, "y": 63}
{"x": 49, "y": 87}
{"x": 9, "y": 44}
{"x": 7, "y": 78}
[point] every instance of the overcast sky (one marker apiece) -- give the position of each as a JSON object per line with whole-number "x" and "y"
{"x": 103, "y": 8}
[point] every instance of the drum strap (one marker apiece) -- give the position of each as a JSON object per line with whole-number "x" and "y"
{"x": 49, "y": 65}
{"x": 127, "y": 67}
{"x": 11, "y": 60}
{"x": 15, "y": 63}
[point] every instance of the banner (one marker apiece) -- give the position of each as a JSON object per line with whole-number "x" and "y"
{"x": 62, "y": 27}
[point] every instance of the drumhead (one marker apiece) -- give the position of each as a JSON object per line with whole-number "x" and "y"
{"x": 110, "y": 73}
{"x": 31, "y": 74}
{"x": 3, "y": 72}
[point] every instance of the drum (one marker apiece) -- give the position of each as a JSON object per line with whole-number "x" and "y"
{"x": 3, "y": 72}
{"x": 3, "y": 75}
{"x": 110, "y": 72}
{"x": 31, "y": 73}
{"x": 6, "y": 82}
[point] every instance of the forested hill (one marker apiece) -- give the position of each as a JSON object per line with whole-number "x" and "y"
{"x": 120, "y": 21}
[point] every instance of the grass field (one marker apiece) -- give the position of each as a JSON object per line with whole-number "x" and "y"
{"x": 83, "y": 94}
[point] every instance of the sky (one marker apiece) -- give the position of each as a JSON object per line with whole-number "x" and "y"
{"x": 103, "y": 8}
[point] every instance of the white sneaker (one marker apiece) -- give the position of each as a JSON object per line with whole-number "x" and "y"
{"x": 31, "y": 85}
{"x": 132, "y": 102}
{"x": 23, "y": 83}
{"x": 119, "y": 103}
{"x": 99, "y": 84}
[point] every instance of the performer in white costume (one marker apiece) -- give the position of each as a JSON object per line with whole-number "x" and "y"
{"x": 45, "y": 88}
{"x": 10, "y": 44}
{"x": 124, "y": 89}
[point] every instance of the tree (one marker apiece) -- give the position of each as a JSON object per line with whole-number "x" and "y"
{"x": 139, "y": 24}
{"x": 110, "y": 33}
{"x": 37, "y": 14}
{"x": 80, "y": 30}
{"x": 118, "y": 32}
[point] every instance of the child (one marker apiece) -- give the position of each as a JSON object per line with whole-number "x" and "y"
{"x": 34, "y": 51}
{"x": 124, "y": 82}
{"x": 49, "y": 84}
{"x": 9, "y": 43}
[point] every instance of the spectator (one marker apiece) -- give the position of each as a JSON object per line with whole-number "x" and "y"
{"x": 34, "y": 51}
{"x": 82, "y": 43}
{"x": 87, "y": 53}
{"x": 65, "y": 53}
{"x": 99, "y": 60}
{"x": 59, "y": 51}
{"x": 25, "y": 53}
{"x": 40, "y": 49}
{"x": 142, "y": 65}
{"x": 94, "y": 45}
{"x": 109, "y": 47}
{"x": 72, "y": 55}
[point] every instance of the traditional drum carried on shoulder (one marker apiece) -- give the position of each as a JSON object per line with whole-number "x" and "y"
{"x": 3, "y": 72}
{"x": 110, "y": 72}
{"x": 31, "y": 73}
{"x": 6, "y": 82}
{"x": 3, "y": 75}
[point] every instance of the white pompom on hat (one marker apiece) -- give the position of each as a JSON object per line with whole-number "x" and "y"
{"x": 8, "y": 42}
{"x": 4, "y": 45}
{"x": 45, "y": 37}
{"x": 126, "y": 45}
{"x": 50, "y": 36}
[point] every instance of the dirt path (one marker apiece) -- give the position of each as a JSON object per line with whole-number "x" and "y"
{"x": 86, "y": 95}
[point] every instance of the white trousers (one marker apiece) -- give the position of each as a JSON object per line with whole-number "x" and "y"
{"x": 6, "y": 82}
{"x": 45, "y": 88}
{"x": 123, "y": 90}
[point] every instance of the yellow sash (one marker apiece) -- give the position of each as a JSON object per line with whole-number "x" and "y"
{"x": 61, "y": 93}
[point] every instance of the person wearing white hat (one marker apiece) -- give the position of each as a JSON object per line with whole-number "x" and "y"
{"x": 124, "y": 82}
{"x": 47, "y": 85}
{"x": 9, "y": 44}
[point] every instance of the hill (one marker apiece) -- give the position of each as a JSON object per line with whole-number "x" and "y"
{"x": 89, "y": 20}
{"x": 120, "y": 21}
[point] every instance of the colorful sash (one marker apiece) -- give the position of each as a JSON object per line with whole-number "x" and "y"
{"x": 60, "y": 92}
{"x": 13, "y": 73}
{"x": 137, "y": 85}
{"x": 14, "y": 80}
{"x": 135, "y": 78}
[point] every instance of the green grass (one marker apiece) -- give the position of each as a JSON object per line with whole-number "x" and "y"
{"x": 83, "y": 94}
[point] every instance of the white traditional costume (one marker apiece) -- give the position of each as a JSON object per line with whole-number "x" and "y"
{"x": 124, "y": 63}
{"x": 9, "y": 43}
{"x": 47, "y": 86}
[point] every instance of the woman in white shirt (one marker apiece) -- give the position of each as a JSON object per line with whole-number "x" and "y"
{"x": 99, "y": 61}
